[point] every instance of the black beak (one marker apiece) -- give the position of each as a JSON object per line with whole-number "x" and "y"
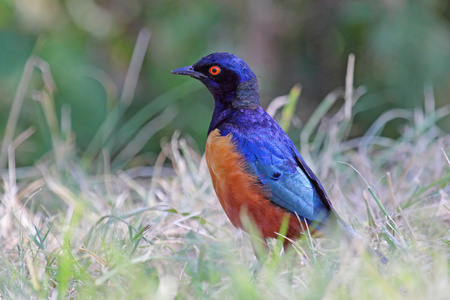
{"x": 189, "y": 70}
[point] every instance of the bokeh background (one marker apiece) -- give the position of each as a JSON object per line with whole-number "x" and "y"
{"x": 400, "y": 47}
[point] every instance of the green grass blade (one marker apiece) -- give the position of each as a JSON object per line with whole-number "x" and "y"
{"x": 289, "y": 109}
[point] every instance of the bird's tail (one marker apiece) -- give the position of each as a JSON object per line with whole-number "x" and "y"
{"x": 335, "y": 228}
{"x": 346, "y": 228}
{"x": 350, "y": 234}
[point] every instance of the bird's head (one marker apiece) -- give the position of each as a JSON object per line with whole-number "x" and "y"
{"x": 228, "y": 78}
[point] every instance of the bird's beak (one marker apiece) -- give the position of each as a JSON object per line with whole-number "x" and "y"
{"x": 189, "y": 70}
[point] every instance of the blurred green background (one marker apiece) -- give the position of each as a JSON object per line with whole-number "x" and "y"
{"x": 400, "y": 47}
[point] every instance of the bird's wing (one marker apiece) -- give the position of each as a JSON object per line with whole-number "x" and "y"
{"x": 279, "y": 166}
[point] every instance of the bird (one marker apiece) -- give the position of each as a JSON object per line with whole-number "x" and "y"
{"x": 255, "y": 167}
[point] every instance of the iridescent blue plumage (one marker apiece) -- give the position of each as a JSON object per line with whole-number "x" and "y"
{"x": 267, "y": 152}
{"x": 271, "y": 155}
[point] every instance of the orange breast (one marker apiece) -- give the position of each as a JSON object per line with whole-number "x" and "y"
{"x": 238, "y": 190}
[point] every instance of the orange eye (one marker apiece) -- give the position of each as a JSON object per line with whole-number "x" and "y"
{"x": 214, "y": 70}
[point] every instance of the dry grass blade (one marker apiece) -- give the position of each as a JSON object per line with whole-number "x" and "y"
{"x": 11, "y": 201}
{"x": 144, "y": 134}
{"x": 32, "y": 63}
{"x": 445, "y": 155}
{"x": 137, "y": 59}
{"x": 349, "y": 86}
{"x": 129, "y": 87}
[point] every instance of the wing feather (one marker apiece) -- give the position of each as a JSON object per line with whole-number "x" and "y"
{"x": 272, "y": 156}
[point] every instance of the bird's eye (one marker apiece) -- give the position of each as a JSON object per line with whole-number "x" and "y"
{"x": 214, "y": 70}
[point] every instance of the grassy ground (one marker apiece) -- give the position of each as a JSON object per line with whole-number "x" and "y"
{"x": 77, "y": 226}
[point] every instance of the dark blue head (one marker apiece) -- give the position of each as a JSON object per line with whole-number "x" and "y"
{"x": 228, "y": 78}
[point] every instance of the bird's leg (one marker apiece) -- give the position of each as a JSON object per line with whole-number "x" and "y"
{"x": 261, "y": 250}
{"x": 259, "y": 244}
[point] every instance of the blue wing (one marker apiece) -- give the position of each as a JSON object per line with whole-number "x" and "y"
{"x": 271, "y": 155}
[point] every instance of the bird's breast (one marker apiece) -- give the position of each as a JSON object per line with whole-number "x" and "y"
{"x": 239, "y": 190}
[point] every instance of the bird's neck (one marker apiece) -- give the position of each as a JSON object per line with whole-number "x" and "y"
{"x": 228, "y": 105}
{"x": 247, "y": 95}
{"x": 244, "y": 96}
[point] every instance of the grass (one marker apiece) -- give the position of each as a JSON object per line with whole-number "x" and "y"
{"x": 78, "y": 226}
